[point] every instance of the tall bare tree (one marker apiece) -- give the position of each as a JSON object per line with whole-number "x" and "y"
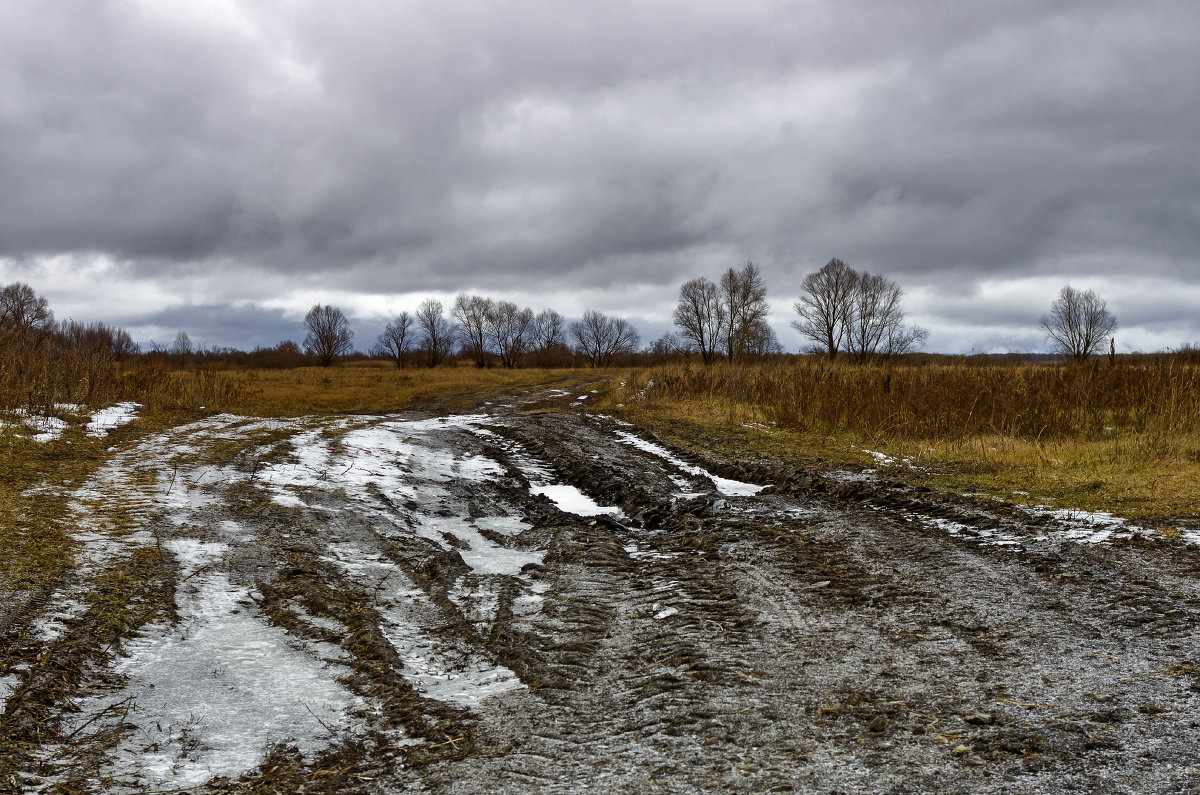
{"x": 700, "y": 318}
{"x": 1078, "y": 323}
{"x": 182, "y": 346}
{"x": 825, "y": 308}
{"x": 23, "y": 310}
{"x": 329, "y": 335}
{"x": 510, "y": 331}
{"x": 875, "y": 325}
{"x": 599, "y": 337}
{"x": 471, "y": 313}
{"x": 744, "y": 302}
{"x": 761, "y": 340}
{"x": 396, "y": 339}
{"x": 550, "y": 330}
{"x": 437, "y": 333}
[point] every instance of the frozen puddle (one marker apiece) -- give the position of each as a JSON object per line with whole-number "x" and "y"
{"x": 211, "y": 693}
{"x": 571, "y": 500}
{"x": 727, "y": 487}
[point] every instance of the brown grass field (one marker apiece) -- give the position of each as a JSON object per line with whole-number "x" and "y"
{"x": 1122, "y": 437}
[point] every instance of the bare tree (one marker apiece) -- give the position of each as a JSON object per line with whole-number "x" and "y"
{"x": 510, "y": 330}
{"x": 599, "y": 337}
{"x": 744, "y": 302}
{"x": 761, "y": 340}
{"x": 875, "y": 324}
{"x": 905, "y": 339}
{"x": 182, "y": 345}
{"x": 396, "y": 339}
{"x": 471, "y": 313}
{"x": 550, "y": 330}
{"x": 437, "y": 334}
{"x": 669, "y": 345}
{"x": 825, "y": 310}
{"x": 329, "y": 335}
{"x": 1078, "y": 323}
{"x": 700, "y": 318}
{"x": 22, "y": 310}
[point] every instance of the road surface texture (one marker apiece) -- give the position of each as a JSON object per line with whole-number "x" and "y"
{"x": 528, "y": 597}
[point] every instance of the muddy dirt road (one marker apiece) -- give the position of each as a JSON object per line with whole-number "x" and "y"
{"x": 515, "y": 600}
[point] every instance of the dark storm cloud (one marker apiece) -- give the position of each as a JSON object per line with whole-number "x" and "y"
{"x": 419, "y": 146}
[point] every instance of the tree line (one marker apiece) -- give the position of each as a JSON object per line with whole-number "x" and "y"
{"x": 482, "y": 329}
{"x": 841, "y": 311}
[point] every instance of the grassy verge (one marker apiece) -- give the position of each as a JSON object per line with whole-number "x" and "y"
{"x": 1138, "y": 461}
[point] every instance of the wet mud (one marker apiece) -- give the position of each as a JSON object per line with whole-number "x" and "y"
{"x": 516, "y": 597}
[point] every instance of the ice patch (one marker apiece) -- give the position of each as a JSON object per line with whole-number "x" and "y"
{"x": 983, "y": 535}
{"x": 727, "y": 487}
{"x": 209, "y": 694}
{"x": 112, "y": 417}
{"x": 504, "y": 525}
{"x": 7, "y": 685}
{"x": 390, "y": 457}
{"x": 666, "y": 612}
{"x": 482, "y": 555}
{"x": 1087, "y": 527}
{"x": 883, "y": 459}
{"x": 435, "y": 668}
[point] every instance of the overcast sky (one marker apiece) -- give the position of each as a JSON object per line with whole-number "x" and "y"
{"x": 219, "y": 166}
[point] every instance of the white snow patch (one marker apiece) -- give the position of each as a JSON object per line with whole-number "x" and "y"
{"x": 112, "y": 417}
{"x": 7, "y": 685}
{"x": 727, "y": 487}
{"x": 637, "y": 553}
{"x": 615, "y": 420}
{"x": 666, "y": 612}
{"x": 571, "y": 500}
{"x": 46, "y": 429}
{"x": 392, "y": 456}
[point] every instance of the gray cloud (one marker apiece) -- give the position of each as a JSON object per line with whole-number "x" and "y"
{"x": 268, "y": 152}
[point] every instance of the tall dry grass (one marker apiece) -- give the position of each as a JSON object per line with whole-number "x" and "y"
{"x": 43, "y": 370}
{"x": 947, "y": 401}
